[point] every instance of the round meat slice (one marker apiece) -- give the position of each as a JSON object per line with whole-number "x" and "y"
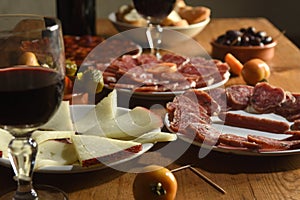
{"x": 238, "y": 96}
{"x": 266, "y": 98}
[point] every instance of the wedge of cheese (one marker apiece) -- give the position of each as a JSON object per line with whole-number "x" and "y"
{"x": 61, "y": 120}
{"x": 105, "y": 110}
{"x": 42, "y": 136}
{"x": 154, "y": 137}
{"x": 130, "y": 125}
{"x": 95, "y": 150}
{"x": 55, "y": 153}
{"x": 6, "y": 137}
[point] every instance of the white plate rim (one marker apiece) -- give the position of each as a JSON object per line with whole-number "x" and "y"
{"x": 76, "y": 168}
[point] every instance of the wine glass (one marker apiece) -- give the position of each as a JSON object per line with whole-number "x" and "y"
{"x": 31, "y": 89}
{"x": 154, "y": 11}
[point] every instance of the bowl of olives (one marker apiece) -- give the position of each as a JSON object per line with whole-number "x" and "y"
{"x": 244, "y": 44}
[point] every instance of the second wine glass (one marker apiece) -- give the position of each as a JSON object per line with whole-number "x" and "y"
{"x": 154, "y": 11}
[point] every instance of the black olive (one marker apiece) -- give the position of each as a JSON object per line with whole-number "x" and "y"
{"x": 261, "y": 34}
{"x": 267, "y": 40}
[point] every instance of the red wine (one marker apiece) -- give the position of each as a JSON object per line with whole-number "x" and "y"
{"x": 154, "y": 8}
{"x": 29, "y": 95}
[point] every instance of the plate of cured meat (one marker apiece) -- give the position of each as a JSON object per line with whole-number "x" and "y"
{"x": 260, "y": 120}
{"x": 149, "y": 77}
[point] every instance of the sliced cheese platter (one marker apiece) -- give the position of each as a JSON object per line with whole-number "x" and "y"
{"x": 74, "y": 140}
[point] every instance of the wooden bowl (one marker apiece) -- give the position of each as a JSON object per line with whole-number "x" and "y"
{"x": 244, "y": 53}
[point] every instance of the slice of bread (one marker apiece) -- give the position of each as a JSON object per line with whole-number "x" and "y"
{"x": 194, "y": 15}
{"x": 95, "y": 150}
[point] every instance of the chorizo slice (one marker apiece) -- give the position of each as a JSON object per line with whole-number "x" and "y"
{"x": 255, "y": 123}
{"x": 274, "y": 144}
{"x": 237, "y": 141}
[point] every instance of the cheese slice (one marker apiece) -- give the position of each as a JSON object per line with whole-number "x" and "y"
{"x": 153, "y": 137}
{"x": 105, "y": 110}
{"x": 95, "y": 150}
{"x": 55, "y": 153}
{"x": 61, "y": 120}
{"x": 130, "y": 125}
{"x": 42, "y": 136}
{"x": 6, "y": 137}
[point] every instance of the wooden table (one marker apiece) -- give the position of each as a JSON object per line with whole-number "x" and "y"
{"x": 243, "y": 177}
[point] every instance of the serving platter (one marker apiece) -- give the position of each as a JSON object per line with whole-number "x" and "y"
{"x": 167, "y": 95}
{"x": 224, "y": 129}
{"x": 78, "y": 111}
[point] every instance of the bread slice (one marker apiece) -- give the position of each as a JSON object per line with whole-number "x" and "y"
{"x": 95, "y": 150}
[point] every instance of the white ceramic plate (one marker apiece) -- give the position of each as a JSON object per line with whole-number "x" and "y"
{"x": 78, "y": 111}
{"x": 217, "y": 123}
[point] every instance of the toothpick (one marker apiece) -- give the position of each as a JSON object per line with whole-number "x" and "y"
{"x": 207, "y": 180}
{"x": 180, "y": 168}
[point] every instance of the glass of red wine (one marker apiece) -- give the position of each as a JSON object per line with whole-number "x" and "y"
{"x": 154, "y": 11}
{"x": 31, "y": 89}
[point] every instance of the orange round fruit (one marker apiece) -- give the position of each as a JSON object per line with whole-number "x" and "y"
{"x": 255, "y": 70}
{"x": 155, "y": 182}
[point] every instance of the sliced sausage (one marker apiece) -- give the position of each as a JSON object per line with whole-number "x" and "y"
{"x": 256, "y": 123}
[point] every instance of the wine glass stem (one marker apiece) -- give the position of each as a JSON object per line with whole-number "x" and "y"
{"x": 22, "y": 154}
{"x": 154, "y": 34}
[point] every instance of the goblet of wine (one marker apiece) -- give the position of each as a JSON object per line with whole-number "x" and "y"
{"x": 31, "y": 89}
{"x": 154, "y": 11}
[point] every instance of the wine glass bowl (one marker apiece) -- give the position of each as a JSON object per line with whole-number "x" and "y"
{"x": 154, "y": 11}
{"x": 31, "y": 89}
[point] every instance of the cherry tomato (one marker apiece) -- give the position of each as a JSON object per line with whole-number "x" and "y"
{"x": 255, "y": 70}
{"x": 156, "y": 182}
{"x": 68, "y": 85}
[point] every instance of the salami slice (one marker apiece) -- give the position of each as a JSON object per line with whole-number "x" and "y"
{"x": 296, "y": 125}
{"x": 237, "y": 141}
{"x": 183, "y": 111}
{"x": 256, "y": 123}
{"x": 273, "y": 144}
{"x": 219, "y": 95}
{"x": 266, "y": 98}
{"x": 203, "y": 133}
{"x": 205, "y": 100}
{"x": 238, "y": 96}
{"x": 290, "y": 109}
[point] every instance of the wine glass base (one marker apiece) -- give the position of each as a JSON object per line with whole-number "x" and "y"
{"x": 45, "y": 192}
